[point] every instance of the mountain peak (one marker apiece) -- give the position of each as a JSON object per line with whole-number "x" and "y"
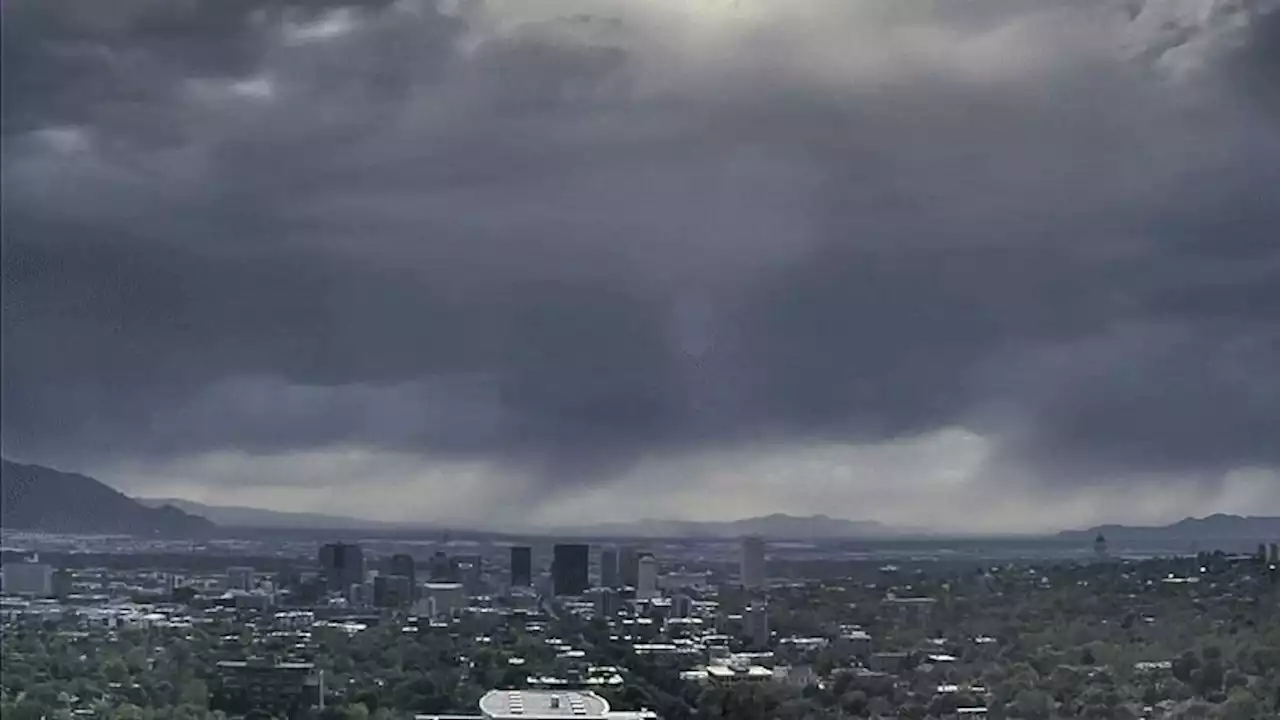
{"x": 1218, "y": 526}
{"x": 34, "y": 497}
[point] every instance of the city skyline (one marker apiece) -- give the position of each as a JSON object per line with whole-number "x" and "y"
{"x": 980, "y": 267}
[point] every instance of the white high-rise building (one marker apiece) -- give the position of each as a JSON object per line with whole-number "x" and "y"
{"x": 753, "y": 562}
{"x": 647, "y": 578}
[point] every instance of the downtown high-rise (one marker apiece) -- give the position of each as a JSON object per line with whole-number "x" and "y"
{"x": 571, "y": 568}
{"x": 609, "y": 568}
{"x": 752, "y": 569}
{"x": 342, "y": 565}
{"x": 521, "y": 566}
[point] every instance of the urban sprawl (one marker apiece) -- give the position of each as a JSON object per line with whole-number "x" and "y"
{"x": 105, "y": 627}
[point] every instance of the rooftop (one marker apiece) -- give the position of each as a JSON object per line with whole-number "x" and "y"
{"x": 542, "y": 705}
{"x": 892, "y": 600}
{"x": 440, "y": 586}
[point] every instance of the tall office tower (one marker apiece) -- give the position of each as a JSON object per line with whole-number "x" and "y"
{"x": 521, "y": 566}
{"x": 647, "y": 580}
{"x": 608, "y": 602}
{"x": 287, "y": 577}
{"x": 681, "y": 606}
{"x": 609, "y": 568}
{"x": 342, "y": 565}
{"x": 756, "y": 624}
{"x": 63, "y": 583}
{"x": 570, "y": 569}
{"x": 392, "y": 591}
{"x": 1275, "y": 553}
{"x": 1100, "y": 547}
{"x": 469, "y": 570}
{"x": 441, "y": 568}
{"x": 628, "y": 566}
{"x": 752, "y": 562}
{"x": 403, "y": 565}
{"x": 241, "y": 578}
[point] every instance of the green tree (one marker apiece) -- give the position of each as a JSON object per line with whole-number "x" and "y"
{"x": 1033, "y": 705}
{"x": 194, "y": 692}
{"x": 355, "y": 711}
{"x": 1242, "y": 705}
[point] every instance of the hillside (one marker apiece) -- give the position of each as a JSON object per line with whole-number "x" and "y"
{"x": 33, "y": 497}
{"x": 1214, "y": 528}
{"x": 233, "y": 516}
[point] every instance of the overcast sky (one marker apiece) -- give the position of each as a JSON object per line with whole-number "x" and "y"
{"x": 984, "y": 265}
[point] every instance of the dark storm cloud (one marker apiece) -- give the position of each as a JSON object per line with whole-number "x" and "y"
{"x": 235, "y": 224}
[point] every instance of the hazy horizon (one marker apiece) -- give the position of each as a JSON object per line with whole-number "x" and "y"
{"x": 983, "y": 266}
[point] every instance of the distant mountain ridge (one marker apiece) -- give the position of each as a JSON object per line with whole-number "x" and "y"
{"x": 1211, "y": 528}
{"x": 231, "y": 516}
{"x": 777, "y": 526}
{"x": 38, "y": 498}
{"x": 67, "y": 502}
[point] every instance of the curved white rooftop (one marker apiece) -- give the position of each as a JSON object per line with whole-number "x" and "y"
{"x": 542, "y": 705}
{"x": 441, "y": 586}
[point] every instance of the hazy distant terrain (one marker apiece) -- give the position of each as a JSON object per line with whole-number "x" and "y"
{"x": 41, "y": 498}
{"x": 37, "y": 497}
{"x": 1206, "y": 531}
{"x": 777, "y": 525}
{"x": 249, "y": 517}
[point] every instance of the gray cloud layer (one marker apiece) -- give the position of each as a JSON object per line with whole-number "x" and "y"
{"x": 567, "y": 239}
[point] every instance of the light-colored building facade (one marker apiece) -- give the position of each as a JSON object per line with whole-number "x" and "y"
{"x": 647, "y": 578}
{"x": 440, "y": 599}
{"x": 28, "y": 578}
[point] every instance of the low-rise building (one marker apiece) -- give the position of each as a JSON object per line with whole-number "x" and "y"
{"x": 282, "y": 688}
{"x": 546, "y": 704}
{"x": 441, "y": 599}
{"x": 34, "y": 579}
